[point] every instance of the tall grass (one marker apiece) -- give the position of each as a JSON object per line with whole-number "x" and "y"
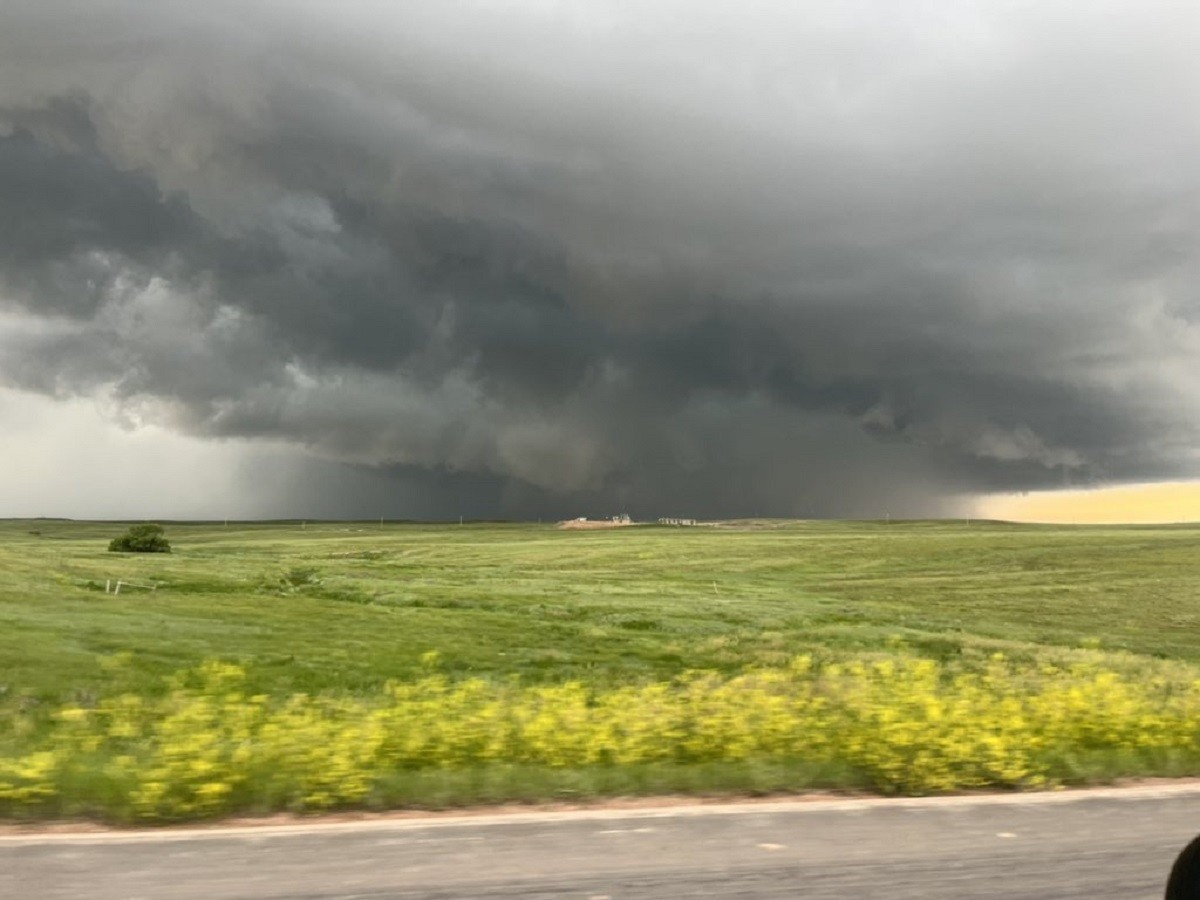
{"x": 208, "y": 747}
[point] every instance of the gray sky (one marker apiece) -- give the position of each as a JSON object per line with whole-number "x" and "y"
{"x": 522, "y": 259}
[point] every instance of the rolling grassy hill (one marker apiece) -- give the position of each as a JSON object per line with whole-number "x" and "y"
{"x": 349, "y": 606}
{"x": 342, "y": 610}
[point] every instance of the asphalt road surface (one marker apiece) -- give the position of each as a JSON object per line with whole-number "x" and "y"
{"x": 1096, "y": 844}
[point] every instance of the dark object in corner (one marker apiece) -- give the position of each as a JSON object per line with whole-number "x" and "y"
{"x": 141, "y": 539}
{"x": 1184, "y": 883}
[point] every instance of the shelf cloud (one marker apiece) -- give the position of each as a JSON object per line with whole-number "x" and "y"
{"x": 545, "y": 259}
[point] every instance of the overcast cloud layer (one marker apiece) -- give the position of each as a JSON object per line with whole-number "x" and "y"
{"x": 667, "y": 258}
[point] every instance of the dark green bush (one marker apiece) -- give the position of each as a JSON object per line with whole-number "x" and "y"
{"x": 141, "y": 539}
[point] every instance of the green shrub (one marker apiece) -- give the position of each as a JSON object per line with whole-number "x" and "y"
{"x": 141, "y": 539}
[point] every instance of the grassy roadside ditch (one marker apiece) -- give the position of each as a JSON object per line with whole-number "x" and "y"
{"x": 206, "y": 747}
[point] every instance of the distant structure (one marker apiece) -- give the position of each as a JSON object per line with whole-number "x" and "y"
{"x": 583, "y": 522}
{"x": 677, "y": 522}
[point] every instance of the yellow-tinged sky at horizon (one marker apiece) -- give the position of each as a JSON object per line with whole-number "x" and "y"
{"x": 1177, "y": 501}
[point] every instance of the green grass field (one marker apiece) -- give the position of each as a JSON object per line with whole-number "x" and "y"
{"x": 345, "y": 608}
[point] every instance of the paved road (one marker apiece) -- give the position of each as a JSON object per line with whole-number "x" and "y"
{"x": 1104, "y": 844}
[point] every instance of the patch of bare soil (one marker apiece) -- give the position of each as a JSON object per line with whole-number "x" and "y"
{"x": 599, "y": 803}
{"x": 80, "y": 826}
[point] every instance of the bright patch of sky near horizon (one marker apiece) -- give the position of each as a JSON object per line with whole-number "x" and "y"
{"x": 1176, "y": 501}
{"x": 67, "y": 459}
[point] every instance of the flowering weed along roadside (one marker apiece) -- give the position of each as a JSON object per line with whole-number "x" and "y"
{"x": 899, "y": 724}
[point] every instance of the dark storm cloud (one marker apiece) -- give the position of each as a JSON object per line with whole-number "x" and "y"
{"x": 622, "y": 257}
{"x": 66, "y": 212}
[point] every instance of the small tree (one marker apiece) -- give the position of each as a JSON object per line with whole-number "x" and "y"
{"x": 141, "y": 539}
